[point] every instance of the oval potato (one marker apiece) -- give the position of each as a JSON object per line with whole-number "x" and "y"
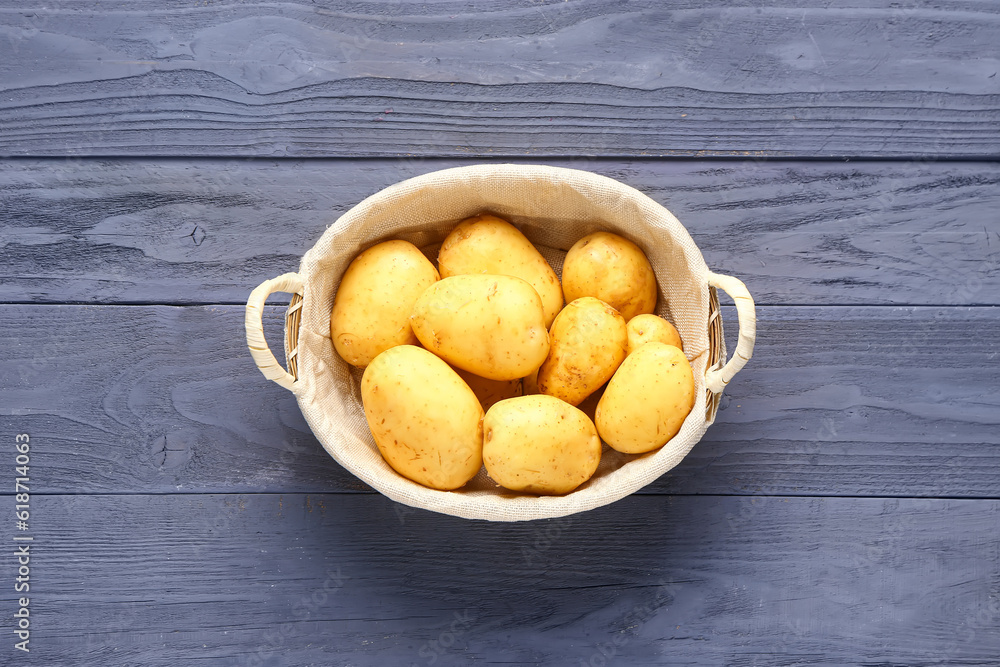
{"x": 612, "y": 269}
{"x": 371, "y": 311}
{"x": 587, "y": 344}
{"x": 488, "y": 244}
{"x": 539, "y": 444}
{"x": 647, "y": 328}
{"x": 489, "y": 325}
{"x": 647, "y": 400}
{"x": 425, "y": 419}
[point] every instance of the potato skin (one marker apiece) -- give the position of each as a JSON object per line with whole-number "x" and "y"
{"x": 613, "y": 269}
{"x": 489, "y": 391}
{"x": 488, "y": 244}
{"x": 492, "y": 326}
{"x": 529, "y": 383}
{"x": 587, "y": 344}
{"x": 425, "y": 419}
{"x": 539, "y": 444}
{"x": 588, "y": 406}
{"x": 371, "y": 311}
{"x": 647, "y": 400}
{"x": 647, "y": 328}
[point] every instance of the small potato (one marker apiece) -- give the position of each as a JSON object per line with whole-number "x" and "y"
{"x": 491, "y": 391}
{"x": 529, "y": 383}
{"x": 588, "y": 342}
{"x": 647, "y": 400}
{"x": 426, "y": 421}
{"x": 371, "y": 311}
{"x": 589, "y": 405}
{"x": 539, "y": 444}
{"x": 492, "y": 326}
{"x": 488, "y": 244}
{"x": 647, "y": 328}
{"x": 614, "y": 270}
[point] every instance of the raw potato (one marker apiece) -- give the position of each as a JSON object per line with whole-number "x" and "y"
{"x": 539, "y": 444}
{"x": 489, "y": 391}
{"x": 492, "y": 326}
{"x": 614, "y": 270}
{"x": 589, "y": 405}
{"x": 371, "y": 311}
{"x": 588, "y": 341}
{"x": 488, "y": 244}
{"x": 647, "y": 328}
{"x": 425, "y": 419}
{"x": 529, "y": 383}
{"x": 647, "y": 400}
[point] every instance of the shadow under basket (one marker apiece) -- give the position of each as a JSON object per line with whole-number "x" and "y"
{"x": 553, "y": 207}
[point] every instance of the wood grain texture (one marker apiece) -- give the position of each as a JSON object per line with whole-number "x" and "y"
{"x": 208, "y": 231}
{"x": 590, "y": 77}
{"x": 836, "y": 401}
{"x": 844, "y": 509}
{"x": 358, "y": 580}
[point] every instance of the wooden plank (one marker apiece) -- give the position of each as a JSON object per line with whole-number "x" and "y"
{"x": 159, "y": 399}
{"x": 197, "y": 231}
{"x": 595, "y": 77}
{"x": 333, "y": 579}
{"x": 836, "y": 401}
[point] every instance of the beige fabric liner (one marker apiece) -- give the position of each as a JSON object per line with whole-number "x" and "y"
{"x": 553, "y": 207}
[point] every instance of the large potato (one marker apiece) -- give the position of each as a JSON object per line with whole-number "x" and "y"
{"x": 491, "y": 391}
{"x": 647, "y": 400}
{"x": 488, "y": 244}
{"x": 614, "y": 270}
{"x": 539, "y": 444}
{"x": 426, "y": 421}
{"x": 647, "y": 328}
{"x": 371, "y": 311}
{"x": 587, "y": 344}
{"x": 492, "y": 326}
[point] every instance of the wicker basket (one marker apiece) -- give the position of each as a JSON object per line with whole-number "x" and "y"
{"x": 553, "y": 207}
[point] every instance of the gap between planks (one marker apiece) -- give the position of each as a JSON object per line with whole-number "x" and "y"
{"x": 372, "y": 492}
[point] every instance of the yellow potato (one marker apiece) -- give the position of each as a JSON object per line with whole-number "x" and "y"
{"x": 588, "y": 342}
{"x": 647, "y": 328}
{"x": 488, "y": 244}
{"x": 492, "y": 326}
{"x": 614, "y": 270}
{"x": 371, "y": 311}
{"x": 647, "y": 400}
{"x": 539, "y": 444}
{"x": 491, "y": 391}
{"x": 426, "y": 421}
{"x": 589, "y": 405}
{"x": 529, "y": 383}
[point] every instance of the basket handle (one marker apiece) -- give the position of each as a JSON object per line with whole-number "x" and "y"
{"x": 716, "y": 380}
{"x": 268, "y": 365}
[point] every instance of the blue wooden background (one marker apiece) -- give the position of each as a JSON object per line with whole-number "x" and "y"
{"x": 158, "y": 161}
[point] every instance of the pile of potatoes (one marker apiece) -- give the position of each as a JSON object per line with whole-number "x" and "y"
{"x": 477, "y": 361}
